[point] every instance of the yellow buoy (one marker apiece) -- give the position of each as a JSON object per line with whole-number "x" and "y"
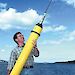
{"x": 26, "y": 50}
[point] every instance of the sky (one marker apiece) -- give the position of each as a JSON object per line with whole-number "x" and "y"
{"x": 57, "y": 40}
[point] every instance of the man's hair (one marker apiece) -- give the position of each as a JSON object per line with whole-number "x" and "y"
{"x": 15, "y": 36}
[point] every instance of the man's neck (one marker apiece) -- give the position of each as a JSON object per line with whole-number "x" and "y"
{"x": 20, "y": 44}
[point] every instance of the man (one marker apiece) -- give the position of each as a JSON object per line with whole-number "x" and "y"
{"x": 28, "y": 67}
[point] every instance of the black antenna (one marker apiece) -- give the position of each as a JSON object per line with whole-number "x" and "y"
{"x": 45, "y": 12}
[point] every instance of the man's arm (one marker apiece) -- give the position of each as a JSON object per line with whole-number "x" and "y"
{"x": 36, "y": 52}
{"x": 8, "y": 72}
{"x": 35, "y": 49}
{"x": 11, "y": 62}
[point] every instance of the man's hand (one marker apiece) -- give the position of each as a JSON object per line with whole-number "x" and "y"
{"x": 8, "y": 72}
{"x": 34, "y": 43}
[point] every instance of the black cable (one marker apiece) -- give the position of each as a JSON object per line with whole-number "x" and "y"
{"x": 46, "y": 12}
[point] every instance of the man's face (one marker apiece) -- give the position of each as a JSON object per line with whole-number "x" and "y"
{"x": 20, "y": 38}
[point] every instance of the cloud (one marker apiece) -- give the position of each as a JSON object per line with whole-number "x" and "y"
{"x": 70, "y": 2}
{"x": 13, "y": 19}
{"x": 70, "y": 36}
{"x": 3, "y": 5}
{"x": 53, "y": 42}
{"x": 5, "y": 52}
{"x": 2, "y": 50}
{"x": 72, "y": 33}
{"x": 54, "y": 28}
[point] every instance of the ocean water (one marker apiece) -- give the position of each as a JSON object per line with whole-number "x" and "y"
{"x": 3, "y": 67}
{"x": 46, "y": 68}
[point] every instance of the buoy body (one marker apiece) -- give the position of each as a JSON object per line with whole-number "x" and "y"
{"x": 26, "y": 50}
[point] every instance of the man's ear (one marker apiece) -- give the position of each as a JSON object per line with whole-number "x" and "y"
{"x": 16, "y": 39}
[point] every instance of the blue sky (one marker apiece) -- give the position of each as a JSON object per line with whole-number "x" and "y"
{"x": 57, "y": 40}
